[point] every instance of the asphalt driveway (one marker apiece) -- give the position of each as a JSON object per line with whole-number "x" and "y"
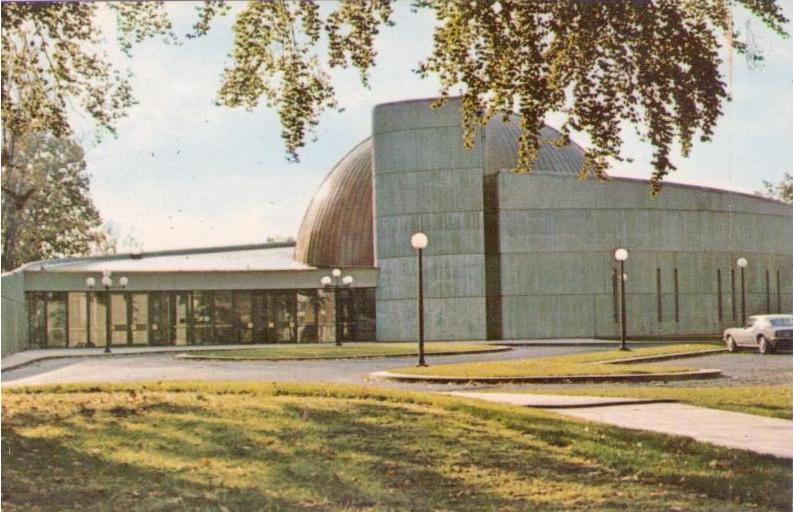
{"x": 738, "y": 369}
{"x": 158, "y": 367}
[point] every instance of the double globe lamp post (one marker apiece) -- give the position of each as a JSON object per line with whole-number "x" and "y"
{"x": 621, "y": 255}
{"x": 419, "y": 242}
{"x": 107, "y": 282}
{"x": 335, "y": 282}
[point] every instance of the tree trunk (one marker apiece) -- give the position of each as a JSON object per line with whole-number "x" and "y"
{"x": 10, "y": 211}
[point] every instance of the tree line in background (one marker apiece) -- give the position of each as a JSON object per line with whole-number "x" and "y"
{"x": 651, "y": 66}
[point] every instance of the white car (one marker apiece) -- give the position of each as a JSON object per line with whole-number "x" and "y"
{"x": 766, "y": 333}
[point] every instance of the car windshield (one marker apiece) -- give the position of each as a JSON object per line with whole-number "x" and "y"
{"x": 782, "y": 322}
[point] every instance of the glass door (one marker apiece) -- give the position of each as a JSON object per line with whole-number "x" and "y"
{"x": 224, "y": 318}
{"x": 56, "y": 320}
{"x": 201, "y": 317}
{"x": 98, "y": 318}
{"x": 160, "y": 319}
{"x": 307, "y": 316}
{"x": 243, "y": 316}
{"x": 119, "y": 321}
{"x": 140, "y": 318}
{"x": 37, "y": 305}
{"x": 78, "y": 319}
{"x": 281, "y": 316}
{"x": 259, "y": 317}
{"x": 180, "y": 318}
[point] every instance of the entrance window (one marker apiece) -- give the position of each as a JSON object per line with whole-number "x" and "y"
{"x": 281, "y": 316}
{"x": 78, "y": 319}
{"x": 37, "y": 311}
{"x": 98, "y": 319}
{"x": 243, "y": 321}
{"x": 140, "y": 318}
{"x": 202, "y": 318}
{"x": 307, "y": 316}
{"x": 118, "y": 319}
{"x": 224, "y": 319}
{"x": 56, "y": 320}
{"x": 181, "y": 320}
{"x": 327, "y": 316}
{"x": 159, "y": 319}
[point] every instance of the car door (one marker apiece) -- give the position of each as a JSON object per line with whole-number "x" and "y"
{"x": 746, "y": 335}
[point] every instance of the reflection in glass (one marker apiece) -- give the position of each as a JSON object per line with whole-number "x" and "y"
{"x": 327, "y": 316}
{"x": 37, "y": 316}
{"x": 140, "y": 318}
{"x": 259, "y": 316}
{"x": 98, "y": 319}
{"x": 56, "y": 320}
{"x": 202, "y": 318}
{"x": 118, "y": 319}
{"x": 281, "y": 316}
{"x": 243, "y": 304}
{"x": 224, "y": 320}
{"x": 307, "y": 316}
{"x": 180, "y": 318}
{"x": 78, "y": 319}
{"x": 159, "y": 319}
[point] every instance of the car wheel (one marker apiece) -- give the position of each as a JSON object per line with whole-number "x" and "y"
{"x": 731, "y": 346}
{"x": 763, "y": 346}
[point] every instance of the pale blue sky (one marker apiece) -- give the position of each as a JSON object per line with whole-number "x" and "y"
{"x": 183, "y": 172}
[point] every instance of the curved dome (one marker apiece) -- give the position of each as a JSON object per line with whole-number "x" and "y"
{"x": 501, "y": 149}
{"x": 337, "y": 228}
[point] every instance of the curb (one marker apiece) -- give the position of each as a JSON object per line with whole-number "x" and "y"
{"x": 551, "y": 379}
{"x": 184, "y": 356}
{"x": 82, "y": 356}
{"x": 661, "y": 357}
{"x": 609, "y": 404}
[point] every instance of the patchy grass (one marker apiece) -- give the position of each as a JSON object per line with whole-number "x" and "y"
{"x": 264, "y": 446}
{"x": 330, "y": 350}
{"x": 774, "y": 401}
{"x": 571, "y": 364}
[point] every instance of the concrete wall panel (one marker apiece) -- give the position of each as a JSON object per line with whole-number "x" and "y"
{"x": 425, "y": 180}
{"x": 14, "y": 313}
{"x": 557, "y": 237}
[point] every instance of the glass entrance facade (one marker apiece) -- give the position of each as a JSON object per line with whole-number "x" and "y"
{"x": 79, "y": 319}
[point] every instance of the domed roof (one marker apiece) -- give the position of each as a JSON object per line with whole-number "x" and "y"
{"x": 337, "y": 229}
{"x": 501, "y": 149}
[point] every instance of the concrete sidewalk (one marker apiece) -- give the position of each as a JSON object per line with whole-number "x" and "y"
{"x": 759, "y": 434}
{"x": 554, "y": 401}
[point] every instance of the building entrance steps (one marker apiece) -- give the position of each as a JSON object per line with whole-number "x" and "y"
{"x": 759, "y": 434}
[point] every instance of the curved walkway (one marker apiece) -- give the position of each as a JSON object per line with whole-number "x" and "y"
{"x": 759, "y": 434}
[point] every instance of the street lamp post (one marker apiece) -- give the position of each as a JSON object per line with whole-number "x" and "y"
{"x": 335, "y": 282}
{"x": 621, "y": 255}
{"x": 419, "y": 242}
{"x": 742, "y": 265}
{"x": 107, "y": 282}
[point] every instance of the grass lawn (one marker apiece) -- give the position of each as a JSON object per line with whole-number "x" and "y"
{"x": 571, "y": 364}
{"x": 264, "y": 446}
{"x": 775, "y": 401}
{"x": 325, "y": 350}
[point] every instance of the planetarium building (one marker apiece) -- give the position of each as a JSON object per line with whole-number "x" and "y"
{"x": 510, "y": 256}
